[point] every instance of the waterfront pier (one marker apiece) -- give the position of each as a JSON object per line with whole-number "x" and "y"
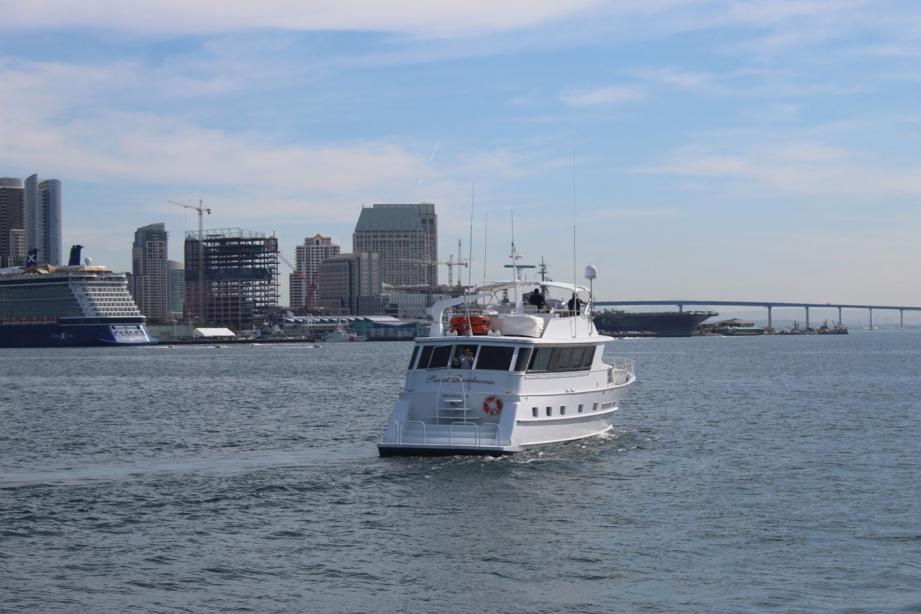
{"x": 769, "y": 305}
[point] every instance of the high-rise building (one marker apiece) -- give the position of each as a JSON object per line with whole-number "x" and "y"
{"x": 304, "y": 281}
{"x": 43, "y": 218}
{"x": 350, "y": 284}
{"x": 149, "y": 273}
{"x": 405, "y": 236}
{"x": 231, "y": 277}
{"x": 12, "y": 222}
{"x": 176, "y": 288}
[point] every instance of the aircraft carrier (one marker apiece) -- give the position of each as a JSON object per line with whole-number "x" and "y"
{"x": 650, "y": 324}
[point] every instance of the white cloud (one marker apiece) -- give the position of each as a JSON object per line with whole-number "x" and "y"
{"x": 602, "y": 96}
{"x": 683, "y": 79}
{"x": 416, "y": 17}
{"x": 811, "y": 152}
{"x": 56, "y": 116}
{"x": 67, "y": 121}
{"x": 151, "y": 149}
{"x": 498, "y": 164}
{"x": 800, "y": 168}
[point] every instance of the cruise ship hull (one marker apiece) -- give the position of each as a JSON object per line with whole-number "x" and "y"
{"x": 38, "y": 335}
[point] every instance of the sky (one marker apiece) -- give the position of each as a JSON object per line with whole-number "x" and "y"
{"x": 697, "y": 149}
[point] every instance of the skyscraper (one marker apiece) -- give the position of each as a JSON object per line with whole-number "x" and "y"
{"x": 350, "y": 284}
{"x": 304, "y": 281}
{"x": 149, "y": 272}
{"x": 176, "y": 288}
{"x": 12, "y": 213}
{"x": 405, "y": 236}
{"x": 43, "y": 218}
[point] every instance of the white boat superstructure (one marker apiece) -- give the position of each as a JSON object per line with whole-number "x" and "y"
{"x": 499, "y": 373}
{"x": 341, "y": 334}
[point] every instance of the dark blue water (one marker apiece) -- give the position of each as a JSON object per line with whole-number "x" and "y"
{"x": 759, "y": 474}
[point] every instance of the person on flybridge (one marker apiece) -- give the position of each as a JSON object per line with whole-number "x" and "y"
{"x": 537, "y": 299}
{"x": 575, "y": 305}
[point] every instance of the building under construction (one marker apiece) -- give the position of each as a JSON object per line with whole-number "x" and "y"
{"x": 239, "y": 273}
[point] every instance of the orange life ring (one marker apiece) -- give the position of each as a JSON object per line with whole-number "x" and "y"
{"x": 492, "y": 406}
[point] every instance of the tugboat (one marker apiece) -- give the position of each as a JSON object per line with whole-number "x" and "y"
{"x": 497, "y": 375}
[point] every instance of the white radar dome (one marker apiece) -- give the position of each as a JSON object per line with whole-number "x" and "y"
{"x": 591, "y": 272}
{"x": 87, "y": 261}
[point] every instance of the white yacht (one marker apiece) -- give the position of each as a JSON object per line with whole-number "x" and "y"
{"x": 497, "y": 375}
{"x": 342, "y": 334}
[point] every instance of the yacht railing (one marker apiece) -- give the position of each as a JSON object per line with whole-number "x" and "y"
{"x": 477, "y": 435}
{"x": 385, "y": 427}
{"x": 625, "y": 366}
{"x": 403, "y": 426}
{"x": 465, "y": 437}
{"x": 495, "y": 427}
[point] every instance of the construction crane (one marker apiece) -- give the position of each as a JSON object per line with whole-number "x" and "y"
{"x": 287, "y": 262}
{"x": 200, "y": 208}
{"x": 201, "y": 211}
{"x": 450, "y": 263}
{"x": 310, "y": 288}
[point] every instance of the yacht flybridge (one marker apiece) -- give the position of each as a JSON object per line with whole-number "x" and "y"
{"x": 506, "y": 367}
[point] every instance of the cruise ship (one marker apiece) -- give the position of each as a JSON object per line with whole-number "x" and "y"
{"x": 68, "y": 306}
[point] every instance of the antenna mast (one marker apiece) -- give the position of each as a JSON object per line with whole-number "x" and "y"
{"x": 485, "y": 242}
{"x": 470, "y": 242}
{"x": 574, "y": 230}
{"x": 542, "y": 270}
{"x": 515, "y": 257}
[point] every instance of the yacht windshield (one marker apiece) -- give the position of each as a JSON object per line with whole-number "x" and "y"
{"x": 440, "y": 357}
{"x": 465, "y": 356}
{"x": 434, "y": 356}
{"x": 495, "y": 357}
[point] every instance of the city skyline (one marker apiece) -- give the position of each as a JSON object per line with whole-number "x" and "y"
{"x": 712, "y": 149}
{"x": 30, "y": 220}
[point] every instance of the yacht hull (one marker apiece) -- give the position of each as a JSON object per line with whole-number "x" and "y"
{"x": 521, "y": 430}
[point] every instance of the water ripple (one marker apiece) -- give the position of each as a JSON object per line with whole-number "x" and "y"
{"x": 753, "y": 475}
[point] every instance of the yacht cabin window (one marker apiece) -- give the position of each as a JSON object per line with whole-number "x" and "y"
{"x": 487, "y": 357}
{"x": 434, "y": 356}
{"x": 463, "y": 357}
{"x": 565, "y": 358}
{"x": 495, "y": 357}
{"x": 441, "y": 356}
{"x": 424, "y": 357}
{"x": 499, "y": 358}
{"x": 524, "y": 357}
